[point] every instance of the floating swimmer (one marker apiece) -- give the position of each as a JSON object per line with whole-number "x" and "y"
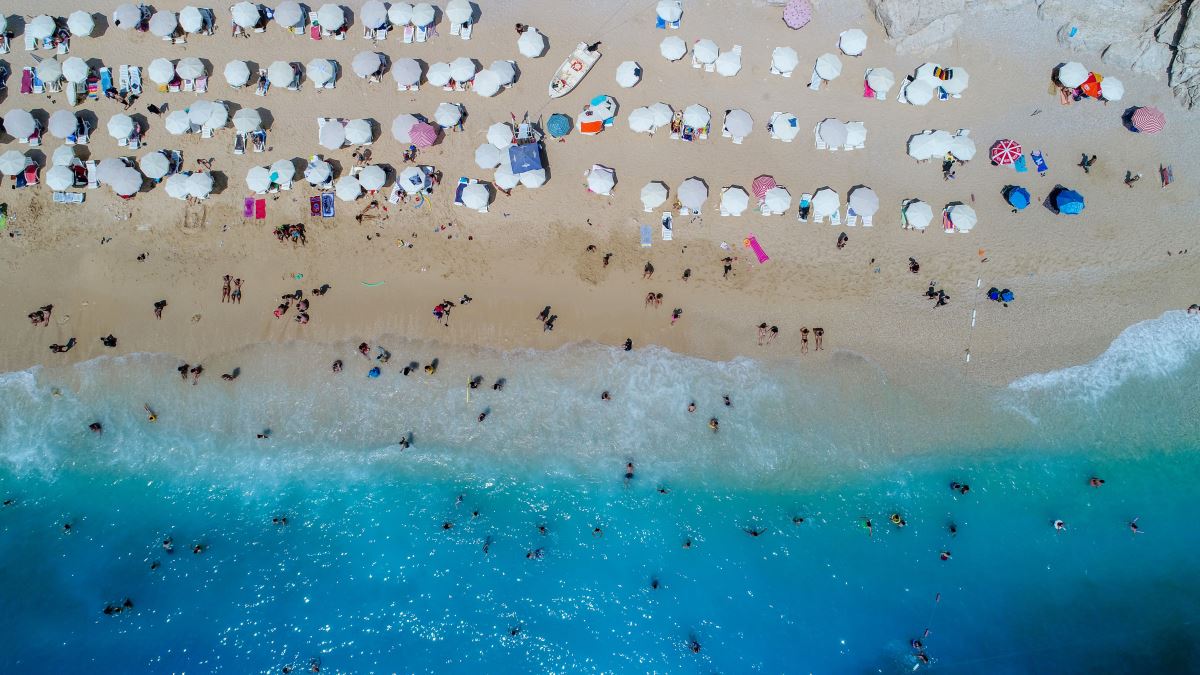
{"x": 150, "y": 414}
{"x": 898, "y": 521}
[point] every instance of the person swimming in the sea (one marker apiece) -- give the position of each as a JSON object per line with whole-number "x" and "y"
{"x": 150, "y": 414}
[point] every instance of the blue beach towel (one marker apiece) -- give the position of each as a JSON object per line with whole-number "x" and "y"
{"x": 1020, "y": 166}
{"x": 646, "y": 233}
{"x": 1039, "y": 161}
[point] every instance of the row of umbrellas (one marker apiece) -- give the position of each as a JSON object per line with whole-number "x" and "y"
{"x": 79, "y": 24}
{"x": 495, "y": 154}
{"x": 486, "y": 82}
{"x": 931, "y": 144}
{"x": 1075, "y": 75}
{"x": 918, "y": 215}
{"x": 693, "y": 192}
{"x": 836, "y": 133}
{"x": 704, "y": 52}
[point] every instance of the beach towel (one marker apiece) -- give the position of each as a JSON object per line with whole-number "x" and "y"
{"x": 327, "y": 205}
{"x": 868, "y": 92}
{"x": 314, "y": 206}
{"x": 1166, "y": 174}
{"x": 646, "y": 236}
{"x": 752, "y": 244}
{"x": 248, "y": 208}
{"x": 1040, "y": 162}
{"x": 667, "y": 226}
{"x": 27, "y": 81}
{"x": 260, "y": 209}
{"x": 1020, "y": 165}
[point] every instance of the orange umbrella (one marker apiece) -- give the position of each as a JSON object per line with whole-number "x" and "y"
{"x": 1091, "y": 86}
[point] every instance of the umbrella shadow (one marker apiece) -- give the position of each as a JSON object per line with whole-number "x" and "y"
{"x": 335, "y": 168}
{"x": 1127, "y": 119}
{"x": 1051, "y": 201}
{"x": 101, "y": 25}
{"x": 39, "y": 158}
{"x": 267, "y": 118}
{"x": 220, "y": 182}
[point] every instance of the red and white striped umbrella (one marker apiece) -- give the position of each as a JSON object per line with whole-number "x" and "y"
{"x": 1006, "y": 151}
{"x": 761, "y": 184}
{"x": 1148, "y": 120}
{"x": 423, "y": 135}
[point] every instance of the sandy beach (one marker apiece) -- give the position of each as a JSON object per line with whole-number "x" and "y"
{"x": 1078, "y": 280}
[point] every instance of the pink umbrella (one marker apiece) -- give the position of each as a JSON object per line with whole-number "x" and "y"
{"x": 761, "y": 185}
{"x": 1006, "y": 151}
{"x": 423, "y": 135}
{"x": 797, "y": 14}
{"x": 1149, "y": 120}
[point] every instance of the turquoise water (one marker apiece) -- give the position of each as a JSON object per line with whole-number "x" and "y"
{"x": 364, "y": 578}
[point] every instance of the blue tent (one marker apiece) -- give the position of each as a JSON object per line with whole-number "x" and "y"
{"x": 526, "y": 157}
{"x": 1018, "y": 197}
{"x": 1069, "y": 202}
{"x": 558, "y": 125}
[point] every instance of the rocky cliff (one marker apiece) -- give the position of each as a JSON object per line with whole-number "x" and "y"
{"x": 1158, "y": 37}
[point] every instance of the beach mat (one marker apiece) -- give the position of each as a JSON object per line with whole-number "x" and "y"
{"x": 646, "y": 236}
{"x": 260, "y": 209}
{"x": 248, "y": 208}
{"x": 1020, "y": 165}
{"x": 327, "y": 205}
{"x": 752, "y": 244}
{"x": 314, "y": 206}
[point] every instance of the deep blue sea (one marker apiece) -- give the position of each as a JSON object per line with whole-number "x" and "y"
{"x": 365, "y": 576}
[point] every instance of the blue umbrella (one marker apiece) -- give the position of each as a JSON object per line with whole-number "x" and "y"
{"x": 1018, "y": 197}
{"x": 1069, "y": 202}
{"x": 558, "y": 125}
{"x": 1006, "y": 295}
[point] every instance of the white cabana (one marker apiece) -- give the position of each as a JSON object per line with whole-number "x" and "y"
{"x": 880, "y": 80}
{"x": 447, "y": 114}
{"x": 505, "y": 70}
{"x": 696, "y": 116}
{"x": 672, "y": 48}
{"x": 459, "y": 11}
{"x": 864, "y": 201}
{"x": 832, "y": 132}
{"x": 629, "y": 74}
{"x": 126, "y": 182}
{"x": 534, "y": 179}
{"x": 641, "y": 120}
{"x": 402, "y": 125}
{"x": 1072, "y": 74}
{"x": 487, "y": 83}
{"x": 828, "y": 67}
{"x": 406, "y": 72}
{"x": 438, "y": 74}
{"x": 126, "y": 17}
{"x": 155, "y": 164}
{"x": 19, "y": 123}
{"x": 359, "y": 131}
{"x": 500, "y": 135}
{"x": 663, "y": 114}
{"x": 669, "y": 11}
{"x": 40, "y": 27}
{"x": 531, "y": 44}
{"x": 62, "y": 123}
{"x": 962, "y": 217}
{"x": 245, "y": 14}
{"x": 1111, "y": 89}
{"x": 190, "y": 68}
{"x": 164, "y": 23}
{"x": 734, "y": 201}
{"x": 918, "y": 92}
{"x": 347, "y": 188}
{"x": 372, "y": 177}
{"x": 654, "y": 194}
{"x": 413, "y": 180}
{"x": 60, "y": 178}
{"x": 161, "y": 71}
{"x": 962, "y": 147}
{"x": 177, "y": 122}
{"x": 784, "y": 60}
{"x": 237, "y": 73}
{"x": 64, "y": 155}
{"x": 462, "y": 69}
{"x": 367, "y": 64}
{"x": 917, "y": 214}
{"x": 318, "y": 171}
{"x": 191, "y": 19}
{"x": 476, "y": 196}
{"x": 785, "y": 126}
{"x": 258, "y": 179}
{"x": 601, "y": 180}
{"x": 400, "y": 13}
{"x": 177, "y": 185}
{"x": 692, "y": 193}
{"x": 373, "y": 14}
{"x": 423, "y": 14}
{"x": 120, "y": 126}
{"x": 705, "y": 51}
{"x": 729, "y": 64}
{"x": 75, "y": 69}
{"x": 487, "y": 156}
{"x": 738, "y": 123}
{"x": 281, "y": 74}
{"x": 777, "y": 200}
{"x": 321, "y": 71}
{"x": 331, "y": 16}
{"x": 852, "y": 42}
{"x": 289, "y": 14}
{"x": 81, "y": 23}
{"x": 825, "y": 202}
{"x": 12, "y": 163}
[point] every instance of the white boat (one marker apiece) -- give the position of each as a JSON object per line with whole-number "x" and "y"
{"x": 571, "y": 72}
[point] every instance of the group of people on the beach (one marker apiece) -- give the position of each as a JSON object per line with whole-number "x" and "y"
{"x": 231, "y": 290}
{"x": 293, "y": 232}
{"x": 302, "y": 303}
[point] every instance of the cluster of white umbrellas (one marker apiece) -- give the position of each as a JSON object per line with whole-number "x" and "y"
{"x": 495, "y": 155}
{"x": 648, "y": 119}
{"x": 706, "y": 53}
{"x": 162, "y": 71}
{"x": 836, "y": 134}
{"x": 334, "y": 134}
{"x": 930, "y": 144}
{"x": 402, "y": 13}
{"x": 259, "y": 179}
{"x": 204, "y": 114}
{"x": 184, "y": 185}
{"x": 462, "y": 70}
{"x": 929, "y": 78}
{"x": 122, "y": 178}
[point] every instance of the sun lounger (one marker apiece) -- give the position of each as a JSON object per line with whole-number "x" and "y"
{"x": 802, "y": 212}
{"x": 188, "y": 85}
{"x": 646, "y": 236}
{"x": 32, "y": 43}
{"x": 258, "y": 139}
{"x": 135, "y": 80}
{"x": 174, "y": 86}
{"x": 407, "y": 36}
{"x": 206, "y": 131}
{"x": 35, "y": 139}
{"x": 817, "y": 138}
{"x": 851, "y": 217}
{"x": 68, "y": 197}
{"x": 37, "y": 86}
{"x": 4, "y": 46}
{"x": 815, "y": 82}
{"x": 866, "y": 221}
{"x": 93, "y": 178}
{"x": 74, "y": 93}
{"x": 396, "y": 194}
{"x": 668, "y": 229}
{"x": 201, "y": 84}
{"x": 835, "y": 218}
{"x": 239, "y": 144}
{"x": 64, "y": 47}
{"x": 422, "y": 33}
{"x": 123, "y": 79}
{"x": 454, "y": 29}
{"x": 465, "y": 31}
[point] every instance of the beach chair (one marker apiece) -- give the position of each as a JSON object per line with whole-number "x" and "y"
{"x": 422, "y": 34}
{"x": 206, "y": 131}
{"x": 668, "y": 226}
{"x": 188, "y": 85}
{"x": 93, "y": 179}
{"x": 135, "y": 80}
{"x": 455, "y": 29}
{"x": 74, "y": 93}
{"x": 814, "y": 83}
{"x": 64, "y": 47}
{"x": 83, "y": 133}
{"x": 817, "y": 139}
{"x": 258, "y": 139}
{"x": 32, "y": 44}
{"x": 866, "y": 221}
{"x": 802, "y": 212}
{"x": 135, "y": 139}
{"x": 68, "y": 197}
{"x": 685, "y": 211}
{"x": 123, "y": 79}
{"x": 465, "y": 31}
{"x": 35, "y": 139}
{"x": 174, "y": 86}
{"x": 463, "y": 182}
{"x": 396, "y": 195}
{"x": 851, "y": 217}
{"x": 4, "y": 45}
{"x": 239, "y": 144}
{"x": 409, "y": 32}
{"x": 201, "y": 84}
{"x": 835, "y": 218}
{"x": 36, "y": 83}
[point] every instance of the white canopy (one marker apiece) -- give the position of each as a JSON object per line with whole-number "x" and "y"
{"x": 531, "y": 44}
{"x": 75, "y": 69}
{"x": 1072, "y": 74}
{"x": 126, "y": 17}
{"x": 281, "y": 74}
{"x": 739, "y": 123}
{"x": 190, "y": 68}
{"x": 177, "y": 186}
{"x": 40, "y": 27}
{"x": 962, "y": 217}
{"x": 120, "y": 126}
{"x": 852, "y": 42}
{"x": 641, "y": 120}
{"x": 777, "y": 200}
{"x": 500, "y": 135}
{"x": 402, "y": 125}
{"x": 359, "y": 131}
{"x": 60, "y": 178}
{"x": 534, "y": 179}
{"x": 962, "y": 147}
{"x": 347, "y": 188}
{"x": 200, "y": 184}
{"x": 163, "y": 23}
{"x": 422, "y": 14}
{"x": 321, "y": 71}
{"x": 155, "y": 164}
{"x": 332, "y": 136}
{"x": 438, "y": 74}
{"x": 318, "y": 171}
{"x": 829, "y": 66}
{"x": 289, "y": 14}
{"x": 672, "y": 48}
{"x": 245, "y": 14}
{"x": 918, "y": 92}
{"x": 880, "y": 79}
{"x": 734, "y": 201}
{"x": 462, "y": 69}
{"x": 126, "y": 182}
{"x": 62, "y": 123}
{"x": 12, "y": 163}
{"x": 447, "y": 114}
{"x": 629, "y": 74}
{"x": 476, "y": 196}
{"x": 161, "y": 71}
{"x": 705, "y": 51}
{"x": 487, "y": 156}
{"x": 373, "y": 14}
{"x": 459, "y": 11}
{"x": 405, "y": 72}
{"x": 729, "y": 64}
{"x": 64, "y": 155}
{"x": 412, "y": 180}
{"x": 696, "y": 116}
{"x": 601, "y": 180}
{"x": 784, "y": 59}
{"x": 1111, "y": 89}
{"x": 692, "y": 193}
{"x": 372, "y": 177}
{"x": 669, "y": 10}
{"x": 258, "y": 179}
{"x": 864, "y": 201}
{"x": 366, "y": 64}
{"x": 19, "y": 123}
{"x": 918, "y": 214}
{"x": 663, "y": 114}
{"x": 654, "y": 194}
{"x": 825, "y": 202}
{"x": 81, "y": 23}
{"x": 785, "y": 126}
{"x": 400, "y": 13}
{"x": 331, "y": 16}
{"x": 237, "y": 73}
{"x": 832, "y": 132}
{"x": 487, "y": 83}
{"x": 506, "y": 70}
{"x": 177, "y": 122}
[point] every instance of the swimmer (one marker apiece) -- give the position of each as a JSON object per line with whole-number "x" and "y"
{"x": 447, "y": 525}
{"x": 691, "y": 407}
{"x": 66, "y": 528}
{"x": 597, "y": 533}
{"x": 487, "y": 544}
{"x": 541, "y": 528}
{"x": 374, "y": 372}
{"x": 404, "y": 443}
{"x": 168, "y": 545}
{"x": 866, "y": 523}
{"x": 628, "y": 471}
{"x": 499, "y": 386}
{"x": 474, "y": 514}
{"x": 483, "y": 416}
{"x": 727, "y": 401}
{"x": 953, "y": 529}
{"x": 96, "y": 428}
{"x": 1096, "y": 482}
{"x": 945, "y": 555}
{"x": 916, "y": 644}
{"x": 605, "y": 396}
{"x": 155, "y": 565}
{"x": 1060, "y": 525}
{"x": 183, "y": 371}
{"x": 474, "y": 382}
{"x": 922, "y": 658}
{"x": 364, "y": 349}
{"x": 964, "y": 489}
{"x": 714, "y": 425}
{"x": 797, "y": 520}
{"x": 694, "y": 645}
{"x": 663, "y": 490}
{"x": 687, "y": 543}
{"x": 279, "y": 520}
{"x": 535, "y": 554}
{"x": 754, "y": 531}
{"x": 628, "y": 344}
{"x": 430, "y": 369}
{"x": 515, "y": 630}
{"x": 458, "y": 500}
{"x": 337, "y": 366}
{"x": 265, "y": 433}
{"x": 654, "y": 583}
{"x": 1133, "y": 526}
{"x": 198, "y": 549}
{"x": 898, "y": 521}
{"x": 150, "y": 415}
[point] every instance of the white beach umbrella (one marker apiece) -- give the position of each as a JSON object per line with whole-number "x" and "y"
{"x": 641, "y": 120}
{"x": 1072, "y": 74}
{"x": 177, "y": 186}
{"x": 962, "y": 147}
{"x": 372, "y": 177}
{"x": 880, "y": 79}
{"x": 282, "y": 171}
{"x": 200, "y": 111}
{"x": 784, "y": 59}
{"x": 161, "y": 71}
{"x": 200, "y": 184}
{"x": 258, "y": 179}
{"x": 672, "y": 48}
{"x": 476, "y": 196}
{"x": 331, "y": 16}
{"x": 3, "y": 22}
{"x": 531, "y": 44}
{"x": 705, "y": 51}
{"x": 447, "y": 114}
{"x": 696, "y": 116}
{"x": 12, "y": 163}
{"x": 405, "y": 72}
{"x": 487, "y": 156}
{"x": 347, "y": 188}
{"x": 534, "y": 179}
{"x": 601, "y": 180}
{"x": 505, "y": 179}
{"x": 963, "y": 217}
{"x": 959, "y": 79}
{"x": 1111, "y": 89}
{"x": 219, "y": 117}
{"x": 458, "y": 11}
{"x": 75, "y": 69}
{"x": 373, "y": 14}
{"x": 663, "y": 114}
{"x": 64, "y": 155}
{"x": 438, "y": 74}
{"x": 237, "y": 73}
{"x": 366, "y": 64}
{"x": 289, "y": 14}
{"x": 40, "y": 27}
{"x": 400, "y": 13}
{"x": 921, "y": 146}
{"x": 629, "y": 74}
{"x": 927, "y": 72}
{"x": 918, "y": 214}
{"x": 332, "y": 136}
{"x": 669, "y": 10}
{"x": 120, "y": 126}
{"x": 318, "y": 171}
{"x": 154, "y": 165}
{"x": 412, "y": 180}
{"x": 506, "y": 70}
{"x": 190, "y": 68}
{"x": 825, "y": 202}
{"x": 423, "y": 14}
{"x": 487, "y": 83}
{"x": 402, "y": 125}
{"x": 50, "y": 71}
{"x": 245, "y": 14}
{"x": 829, "y": 66}
{"x": 729, "y": 64}
{"x": 62, "y": 123}
{"x": 739, "y": 123}
{"x": 321, "y": 71}
{"x": 654, "y": 194}
{"x": 126, "y": 17}
{"x": 462, "y": 69}
{"x": 126, "y": 182}
{"x": 734, "y": 201}
{"x": 81, "y": 23}
{"x": 777, "y": 200}
{"x": 177, "y": 122}
{"x": 864, "y": 201}
{"x": 692, "y": 193}
{"x": 163, "y": 23}
{"x": 19, "y": 123}
{"x": 832, "y": 132}
{"x": 918, "y": 92}
{"x": 359, "y": 131}
{"x": 191, "y": 19}
{"x": 500, "y": 135}
{"x": 60, "y": 178}
{"x": 940, "y": 141}
{"x": 785, "y": 126}
{"x": 852, "y": 42}
{"x": 281, "y": 74}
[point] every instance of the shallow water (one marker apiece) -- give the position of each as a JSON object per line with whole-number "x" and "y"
{"x": 365, "y": 578}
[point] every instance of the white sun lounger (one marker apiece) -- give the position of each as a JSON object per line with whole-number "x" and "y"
{"x": 93, "y": 178}
{"x": 422, "y": 33}
{"x": 68, "y": 197}
{"x": 135, "y": 80}
{"x": 465, "y": 31}
{"x": 817, "y": 139}
{"x": 851, "y": 217}
{"x": 835, "y": 218}
{"x": 668, "y": 229}
{"x": 815, "y": 82}
{"x": 866, "y": 221}
{"x": 123, "y": 79}
{"x": 407, "y": 36}
{"x": 804, "y": 198}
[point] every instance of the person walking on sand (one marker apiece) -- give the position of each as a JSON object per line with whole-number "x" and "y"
{"x": 727, "y": 264}
{"x": 1087, "y": 163}
{"x": 236, "y": 297}
{"x": 196, "y": 371}
{"x": 771, "y": 333}
{"x": 803, "y": 339}
{"x": 1131, "y": 178}
{"x": 648, "y": 271}
{"x": 650, "y": 299}
{"x": 545, "y": 313}
{"x": 675, "y": 314}
{"x": 818, "y": 335}
{"x": 226, "y": 290}
{"x": 158, "y": 308}
{"x": 762, "y": 333}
